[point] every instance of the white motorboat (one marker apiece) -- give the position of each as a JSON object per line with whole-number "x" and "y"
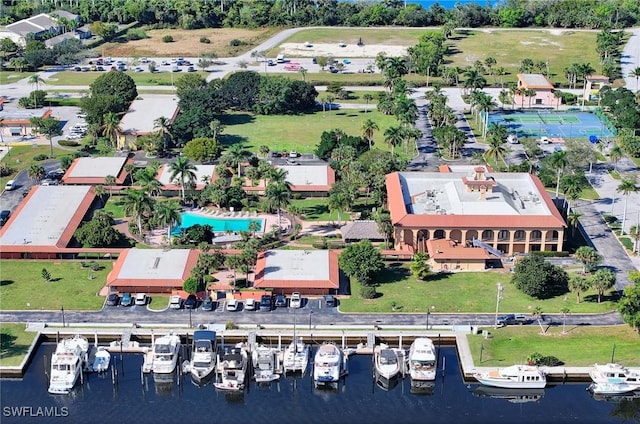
{"x": 296, "y": 356}
{"x": 203, "y": 355}
{"x": 166, "y": 350}
{"x": 610, "y": 388}
{"x": 101, "y": 360}
{"x": 422, "y": 360}
{"x": 514, "y": 377}
{"x": 387, "y": 363}
{"x": 329, "y": 364}
{"x": 615, "y": 374}
{"x": 265, "y": 364}
{"x": 232, "y": 368}
{"x": 67, "y": 363}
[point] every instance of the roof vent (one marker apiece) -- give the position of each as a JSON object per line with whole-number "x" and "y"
{"x": 156, "y": 263}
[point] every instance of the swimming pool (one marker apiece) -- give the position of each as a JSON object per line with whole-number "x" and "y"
{"x": 219, "y": 225}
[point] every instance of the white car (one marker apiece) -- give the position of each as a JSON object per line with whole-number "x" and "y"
{"x": 250, "y": 304}
{"x": 175, "y": 302}
{"x": 295, "y": 301}
{"x": 141, "y": 299}
{"x": 232, "y": 305}
{"x": 544, "y": 140}
{"x": 512, "y": 139}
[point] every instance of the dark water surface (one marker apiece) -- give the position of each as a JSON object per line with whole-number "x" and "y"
{"x": 294, "y": 400}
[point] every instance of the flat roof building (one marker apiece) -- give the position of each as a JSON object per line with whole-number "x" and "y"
{"x": 312, "y": 178}
{"x": 304, "y": 271}
{"x": 204, "y": 176}
{"x": 45, "y": 221}
{"x": 91, "y": 171}
{"x": 143, "y": 111}
{"x": 152, "y": 270}
{"x": 502, "y": 212}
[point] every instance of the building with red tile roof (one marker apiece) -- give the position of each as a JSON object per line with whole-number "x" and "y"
{"x": 500, "y": 212}
{"x": 152, "y": 270}
{"x": 311, "y": 272}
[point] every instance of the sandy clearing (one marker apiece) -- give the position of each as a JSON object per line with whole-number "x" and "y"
{"x": 349, "y": 51}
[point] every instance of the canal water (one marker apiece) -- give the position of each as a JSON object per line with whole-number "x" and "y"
{"x": 137, "y": 399}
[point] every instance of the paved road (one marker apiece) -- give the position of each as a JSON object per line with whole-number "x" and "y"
{"x": 630, "y": 59}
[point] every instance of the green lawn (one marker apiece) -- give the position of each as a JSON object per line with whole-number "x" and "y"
{"x": 114, "y": 205}
{"x": 21, "y": 157}
{"x": 299, "y": 132}
{"x": 9, "y": 77}
{"x": 23, "y": 288}
{"x": 159, "y": 302}
{"x": 140, "y": 78}
{"x": 355, "y": 97}
{"x": 460, "y": 292}
{"x": 580, "y": 346}
{"x": 388, "y": 36}
{"x": 317, "y": 209}
{"x": 14, "y": 343}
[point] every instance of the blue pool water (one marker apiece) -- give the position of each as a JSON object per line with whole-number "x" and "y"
{"x": 219, "y": 225}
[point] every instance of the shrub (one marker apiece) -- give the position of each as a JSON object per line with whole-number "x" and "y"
{"x": 167, "y": 39}
{"x": 538, "y": 359}
{"x": 230, "y": 325}
{"x": 41, "y": 157}
{"x": 205, "y": 40}
{"x": 550, "y": 254}
{"x": 237, "y": 43}
{"x": 5, "y": 170}
{"x": 609, "y": 219}
{"x": 68, "y": 143}
{"x": 368, "y": 292}
{"x": 136, "y": 34}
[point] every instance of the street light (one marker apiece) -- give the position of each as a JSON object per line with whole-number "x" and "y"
{"x": 190, "y": 325}
{"x": 310, "y": 312}
{"x": 428, "y": 313}
{"x": 62, "y": 310}
{"x": 498, "y": 299}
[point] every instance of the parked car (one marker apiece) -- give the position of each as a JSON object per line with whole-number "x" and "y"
{"x": 281, "y": 301}
{"x": 330, "y": 301}
{"x": 4, "y": 216}
{"x": 232, "y": 305}
{"x": 207, "y": 304}
{"x": 512, "y": 139}
{"x": 113, "y": 299}
{"x": 295, "y": 301}
{"x": 175, "y": 69}
{"x": 141, "y": 299}
{"x": 266, "y": 303}
{"x": 270, "y": 62}
{"x": 522, "y": 319}
{"x": 10, "y": 185}
{"x": 191, "y": 302}
{"x": 544, "y": 140}
{"x": 175, "y": 302}
{"x": 250, "y": 304}
{"x": 126, "y": 300}
{"x": 512, "y": 319}
{"x": 191, "y": 69}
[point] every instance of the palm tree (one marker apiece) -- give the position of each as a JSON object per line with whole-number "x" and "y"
{"x": 100, "y": 192}
{"x": 474, "y": 80}
{"x": 264, "y": 150}
{"x": 635, "y": 234}
{"x": 393, "y": 136}
{"x": 137, "y": 204}
{"x": 167, "y": 213}
{"x": 278, "y": 197}
{"x": 579, "y": 284}
{"x": 237, "y": 154}
{"x": 36, "y": 80}
{"x": 184, "y": 171}
{"x": 36, "y": 172}
{"x": 496, "y": 135}
{"x": 111, "y": 127}
{"x": 368, "y": 128}
{"x": 146, "y": 180}
{"x": 1, "y": 127}
{"x": 338, "y": 202}
{"x": 367, "y": 98}
{"x": 559, "y": 161}
{"x": 110, "y": 180}
{"x": 564, "y": 311}
{"x": 585, "y": 70}
{"x": 278, "y": 176}
{"x": 163, "y": 125}
{"x": 615, "y": 154}
{"x": 530, "y": 93}
{"x": 572, "y": 190}
{"x": 635, "y": 73}
{"x": 216, "y": 128}
{"x": 626, "y": 187}
{"x": 573, "y": 219}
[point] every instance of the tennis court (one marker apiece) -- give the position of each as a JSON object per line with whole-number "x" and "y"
{"x": 551, "y": 124}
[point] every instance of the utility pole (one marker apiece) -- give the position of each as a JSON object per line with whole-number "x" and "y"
{"x": 498, "y": 299}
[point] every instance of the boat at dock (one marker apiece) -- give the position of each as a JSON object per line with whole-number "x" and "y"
{"x": 422, "y": 360}
{"x": 514, "y": 377}
{"x": 612, "y": 373}
{"x": 163, "y": 356}
{"x": 101, "y": 360}
{"x": 296, "y": 357}
{"x": 232, "y": 369}
{"x": 387, "y": 362}
{"x": 67, "y": 364}
{"x": 329, "y": 365}
{"x": 203, "y": 356}
{"x": 265, "y": 364}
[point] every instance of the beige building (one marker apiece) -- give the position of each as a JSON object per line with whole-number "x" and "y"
{"x": 544, "y": 95}
{"x": 504, "y": 213}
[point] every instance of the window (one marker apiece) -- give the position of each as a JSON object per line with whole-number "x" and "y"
{"x": 536, "y": 235}
{"x": 438, "y": 234}
{"x": 519, "y": 235}
{"x": 539, "y": 101}
{"x": 487, "y": 235}
{"x": 503, "y": 235}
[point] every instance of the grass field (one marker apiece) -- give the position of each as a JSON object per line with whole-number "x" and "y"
{"x": 580, "y": 346}
{"x": 21, "y": 157}
{"x": 114, "y": 205}
{"x": 187, "y": 43}
{"x": 460, "y": 292}
{"x": 23, "y": 288}
{"x": 14, "y": 343}
{"x": 299, "y": 132}
{"x": 9, "y": 77}
{"x": 140, "y": 78}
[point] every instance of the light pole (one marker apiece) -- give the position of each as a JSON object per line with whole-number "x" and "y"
{"x": 310, "y": 312}
{"x": 498, "y": 299}
{"x": 190, "y": 325}
{"x": 62, "y": 310}
{"x": 428, "y": 313}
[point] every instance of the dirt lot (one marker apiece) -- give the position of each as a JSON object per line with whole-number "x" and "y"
{"x": 187, "y": 43}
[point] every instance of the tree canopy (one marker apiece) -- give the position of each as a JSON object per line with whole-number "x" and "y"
{"x": 540, "y": 279}
{"x": 361, "y": 261}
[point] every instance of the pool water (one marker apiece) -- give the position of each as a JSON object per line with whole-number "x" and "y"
{"x": 219, "y": 225}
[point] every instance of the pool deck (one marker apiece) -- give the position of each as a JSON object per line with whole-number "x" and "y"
{"x": 158, "y": 237}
